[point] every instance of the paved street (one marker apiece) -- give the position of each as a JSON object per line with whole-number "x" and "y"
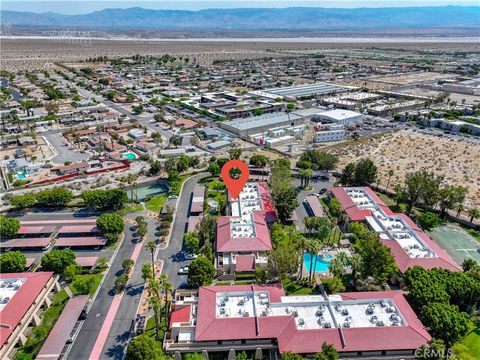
{"x": 119, "y": 332}
{"x": 85, "y": 340}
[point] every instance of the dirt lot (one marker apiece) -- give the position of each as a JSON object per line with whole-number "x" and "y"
{"x": 407, "y": 151}
{"x": 29, "y": 54}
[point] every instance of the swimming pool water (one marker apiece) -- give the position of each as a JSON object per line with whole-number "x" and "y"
{"x": 21, "y": 175}
{"x": 320, "y": 266}
{"x": 130, "y": 156}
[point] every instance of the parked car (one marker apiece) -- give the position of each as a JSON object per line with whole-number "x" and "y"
{"x": 173, "y": 197}
{"x": 189, "y": 256}
{"x": 183, "y": 271}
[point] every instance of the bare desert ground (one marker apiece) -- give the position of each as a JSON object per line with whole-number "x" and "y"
{"x": 408, "y": 151}
{"x": 41, "y": 53}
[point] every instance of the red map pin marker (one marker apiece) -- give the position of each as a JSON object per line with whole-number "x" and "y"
{"x": 235, "y": 186}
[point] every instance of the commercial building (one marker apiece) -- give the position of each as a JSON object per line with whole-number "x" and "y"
{"x": 391, "y": 109}
{"x": 23, "y": 298}
{"x": 302, "y": 91}
{"x": 258, "y": 124}
{"x": 243, "y": 238}
{"x": 456, "y": 126}
{"x": 409, "y": 244}
{"x": 339, "y": 117}
{"x": 264, "y": 320}
{"x": 329, "y": 135}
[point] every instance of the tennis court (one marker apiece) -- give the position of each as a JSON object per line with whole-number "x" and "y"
{"x": 456, "y": 242}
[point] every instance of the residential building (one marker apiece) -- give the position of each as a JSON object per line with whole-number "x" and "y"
{"x": 243, "y": 238}
{"x": 24, "y": 296}
{"x": 263, "y": 319}
{"x": 408, "y": 243}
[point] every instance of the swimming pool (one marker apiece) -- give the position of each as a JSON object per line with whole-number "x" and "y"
{"x": 21, "y": 175}
{"x": 321, "y": 265}
{"x": 130, "y": 156}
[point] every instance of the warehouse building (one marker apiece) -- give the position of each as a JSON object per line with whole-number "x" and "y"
{"x": 339, "y": 117}
{"x": 258, "y": 124}
{"x": 302, "y": 91}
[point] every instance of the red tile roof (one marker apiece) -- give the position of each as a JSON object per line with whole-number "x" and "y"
{"x": 56, "y": 340}
{"x": 23, "y": 299}
{"x": 267, "y": 203}
{"x": 179, "y": 315}
{"x": 403, "y": 260}
{"x": 289, "y": 338}
{"x": 245, "y": 263}
{"x": 261, "y": 241}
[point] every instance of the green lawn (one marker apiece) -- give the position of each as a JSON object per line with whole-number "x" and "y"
{"x": 132, "y": 208}
{"x": 470, "y": 345}
{"x": 40, "y": 333}
{"x": 293, "y": 289}
{"x": 155, "y": 204}
{"x": 96, "y": 278}
{"x": 215, "y": 191}
{"x": 176, "y": 185}
{"x": 150, "y": 327}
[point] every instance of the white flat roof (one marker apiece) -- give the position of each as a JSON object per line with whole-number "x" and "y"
{"x": 311, "y": 312}
{"x": 242, "y": 208}
{"x": 340, "y": 114}
{"x": 390, "y": 227}
{"x": 8, "y": 289}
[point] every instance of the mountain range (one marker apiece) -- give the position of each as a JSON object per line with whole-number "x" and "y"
{"x": 290, "y": 19}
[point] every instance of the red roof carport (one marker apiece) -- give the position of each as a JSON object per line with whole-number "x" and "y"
{"x": 53, "y": 346}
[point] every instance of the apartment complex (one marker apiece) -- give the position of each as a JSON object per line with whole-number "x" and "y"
{"x": 243, "y": 238}
{"x": 23, "y": 297}
{"x": 263, "y": 319}
{"x": 409, "y": 244}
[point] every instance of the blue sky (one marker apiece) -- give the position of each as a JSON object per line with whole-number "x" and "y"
{"x": 77, "y": 7}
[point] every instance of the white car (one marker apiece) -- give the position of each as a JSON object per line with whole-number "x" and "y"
{"x": 173, "y": 197}
{"x": 183, "y": 271}
{"x": 190, "y": 256}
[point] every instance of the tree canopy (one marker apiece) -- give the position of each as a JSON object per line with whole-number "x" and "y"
{"x": 58, "y": 260}
{"x": 144, "y": 347}
{"x": 12, "y": 261}
{"x": 8, "y": 227}
{"x": 201, "y": 271}
{"x": 110, "y": 225}
{"x": 112, "y": 199}
{"x": 319, "y": 160}
{"x": 362, "y": 173}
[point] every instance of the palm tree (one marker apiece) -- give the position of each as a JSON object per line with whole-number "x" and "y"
{"x": 355, "y": 264}
{"x": 151, "y": 246}
{"x": 155, "y": 304}
{"x": 459, "y": 209}
{"x": 154, "y": 287}
{"x": 390, "y": 174}
{"x": 314, "y": 248}
{"x": 309, "y": 224}
{"x": 474, "y": 213}
{"x": 167, "y": 288}
{"x": 338, "y": 265}
{"x": 302, "y": 245}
